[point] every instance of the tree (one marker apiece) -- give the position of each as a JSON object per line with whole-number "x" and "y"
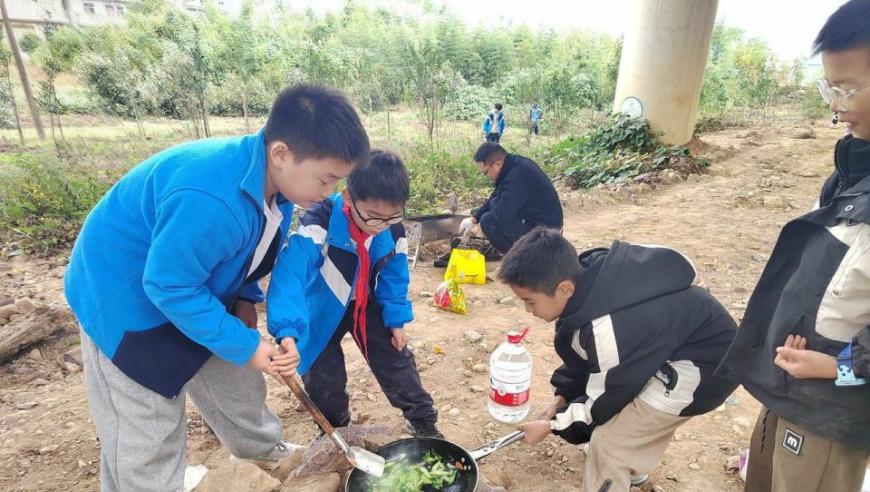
{"x": 7, "y": 91}
{"x": 432, "y": 81}
{"x": 55, "y": 55}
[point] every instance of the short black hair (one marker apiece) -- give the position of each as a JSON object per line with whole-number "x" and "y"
{"x": 848, "y": 27}
{"x": 487, "y": 151}
{"x": 317, "y": 122}
{"x": 382, "y": 178}
{"x": 539, "y": 261}
{"x": 498, "y": 106}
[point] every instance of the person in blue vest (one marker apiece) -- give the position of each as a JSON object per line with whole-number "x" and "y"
{"x": 494, "y": 124}
{"x": 350, "y": 256}
{"x": 535, "y": 115}
{"x": 163, "y": 281}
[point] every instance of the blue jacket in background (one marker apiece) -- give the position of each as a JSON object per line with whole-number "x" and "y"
{"x": 321, "y": 260}
{"x": 489, "y": 126}
{"x": 166, "y": 252}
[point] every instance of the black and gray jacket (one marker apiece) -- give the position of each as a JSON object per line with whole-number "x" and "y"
{"x": 817, "y": 285}
{"x": 636, "y": 327}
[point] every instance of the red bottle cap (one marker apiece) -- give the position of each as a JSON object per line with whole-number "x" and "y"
{"x": 516, "y": 337}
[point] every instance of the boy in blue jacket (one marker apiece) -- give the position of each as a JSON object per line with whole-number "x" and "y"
{"x": 163, "y": 281}
{"x": 350, "y": 256}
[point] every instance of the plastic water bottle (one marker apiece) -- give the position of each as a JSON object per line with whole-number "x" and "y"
{"x": 510, "y": 376}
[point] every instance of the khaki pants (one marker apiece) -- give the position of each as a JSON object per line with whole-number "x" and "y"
{"x": 784, "y": 457}
{"x": 630, "y": 443}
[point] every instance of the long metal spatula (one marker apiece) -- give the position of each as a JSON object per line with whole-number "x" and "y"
{"x": 360, "y": 458}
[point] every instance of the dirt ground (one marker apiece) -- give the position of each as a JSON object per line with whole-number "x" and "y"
{"x": 726, "y": 221}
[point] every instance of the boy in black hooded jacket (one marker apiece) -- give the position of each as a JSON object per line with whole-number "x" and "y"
{"x": 638, "y": 343}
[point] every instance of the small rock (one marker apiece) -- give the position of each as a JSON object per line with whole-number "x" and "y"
{"x": 643, "y": 188}
{"x": 35, "y": 354}
{"x": 803, "y": 134}
{"x": 360, "y": 418}
{"x": 635, "y": 488}
{"x": 40, "y": 382}
{"x": 6, "y": 398}
{"x": 657, "y": 488}
{"x": 733, "y": 463}
{"x": 425, "y": 294}
{"x": 672, "y": 477}
{"x": 371, "y": 397}
{"x": 473, "y": 336}
{"x": 238, "y": 476}
{"x": 507, "y": 301}
{"x": 73, "y": 355}
{"x": 454, "y": 412}
{"x": 82, "y": 464}
{"x": 477, "y": 389}
{"x": 48, "y": 449}
{"x": 331, "y": 482}
{"x": 288, "y": 464}
{"x": 422, "y": 368}
{"x": 694, "y": 466}
{"x": 431, "y": 359}
{"x": 479, "y": 368}
{"x": 759, "y": 258}
{"x": 26, "y": 405}
{"x": 24, "y": 306}
{"x": 7, "y": 311}
{"x": 774, "y": 202}
{"x": 808, "y": 174}
{"x": 71, "y": 368}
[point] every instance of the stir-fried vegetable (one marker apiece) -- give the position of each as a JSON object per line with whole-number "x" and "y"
{"x": 401, "y": 476}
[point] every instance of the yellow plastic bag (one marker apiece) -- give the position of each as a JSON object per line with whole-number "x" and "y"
{"x": 450, "y": 297}
{"x": 466, "y": 266}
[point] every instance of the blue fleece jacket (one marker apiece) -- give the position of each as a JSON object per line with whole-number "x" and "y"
{"x": 164, "y": 255}
{"x": 321, "y": 259}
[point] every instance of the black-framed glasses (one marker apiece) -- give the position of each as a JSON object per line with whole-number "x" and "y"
{"x": 377, "y": 221}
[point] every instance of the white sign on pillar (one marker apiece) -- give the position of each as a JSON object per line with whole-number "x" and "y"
{"x": 632, "y": 107}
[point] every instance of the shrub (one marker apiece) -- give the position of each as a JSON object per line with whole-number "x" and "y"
{"x": 44, "y": 201}
{"x": 615, "y": 152}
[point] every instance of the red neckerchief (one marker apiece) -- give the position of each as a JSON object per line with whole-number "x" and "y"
{"x": 362, "y": 282}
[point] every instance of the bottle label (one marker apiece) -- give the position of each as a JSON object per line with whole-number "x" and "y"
{"x": 508, "y": 394}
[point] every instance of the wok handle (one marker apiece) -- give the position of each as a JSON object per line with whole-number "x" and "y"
{"x": 309, "y": 405}
{"x": 489, "y": 448}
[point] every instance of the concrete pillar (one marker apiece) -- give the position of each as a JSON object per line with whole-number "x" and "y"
{"x": 662, "y": 67}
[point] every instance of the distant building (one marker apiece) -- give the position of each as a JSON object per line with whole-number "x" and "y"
{"x": 29, "y": 16}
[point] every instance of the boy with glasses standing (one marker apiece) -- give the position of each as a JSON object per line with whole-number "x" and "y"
{"x": 802, "y": 347}
{"x": 350, "y": 257}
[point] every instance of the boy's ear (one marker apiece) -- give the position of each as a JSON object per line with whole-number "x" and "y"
{"x": 345, "y": 195}
{"x": 565, "y": 289}
{"x": 279, "y": 153}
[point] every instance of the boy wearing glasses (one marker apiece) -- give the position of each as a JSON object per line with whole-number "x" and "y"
{"x": 802, "y": 348}
{"x": 350, "y": 257}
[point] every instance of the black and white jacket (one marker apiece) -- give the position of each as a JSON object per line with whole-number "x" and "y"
{"x": 636, "y": 327}
{"x": 817, "y": 285}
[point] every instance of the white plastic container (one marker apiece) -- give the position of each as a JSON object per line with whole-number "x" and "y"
{"x": 510, "y": 376}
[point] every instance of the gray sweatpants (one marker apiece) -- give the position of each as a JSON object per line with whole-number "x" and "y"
{"x": 143, "y": 434}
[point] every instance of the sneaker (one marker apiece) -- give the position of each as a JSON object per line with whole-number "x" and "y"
{"x": 270, "y": 460}
{"x": 345, "y": 423}
{"x": 639, "y": 479}
{"x": 423, "y": 430}
{"x": 442, "y": 261}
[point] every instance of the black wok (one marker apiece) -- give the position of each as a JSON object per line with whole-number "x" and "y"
{"x": 415, "y": 448}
